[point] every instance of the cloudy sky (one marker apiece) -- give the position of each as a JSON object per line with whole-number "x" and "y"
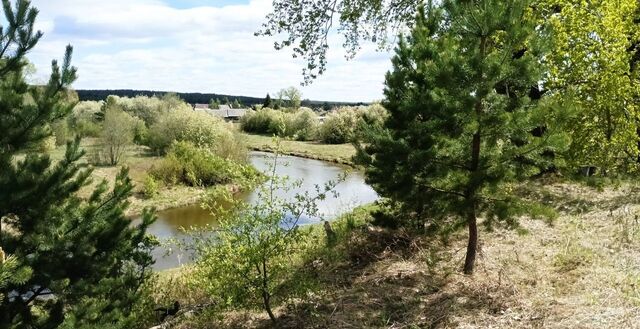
{"x": 191, "y": 46}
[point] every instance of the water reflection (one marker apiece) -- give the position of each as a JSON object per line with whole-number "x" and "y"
{"x": 352, "y": 193}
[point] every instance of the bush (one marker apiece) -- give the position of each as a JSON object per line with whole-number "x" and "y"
{"x": 249, "y": 259}
{"x": 117, "y": 135}
{"x": 339, "y": 127}
{"x": 201, "y": 130}
{"x": 344, "y": 124}
{"x": 61, "y": 132}
{"x": 150, "y": 109}
{"x": 299, "y": 125}
{"x": 150, "y": 187}
{"x": 82, "y": 121}
{"x": 195, "y": 166}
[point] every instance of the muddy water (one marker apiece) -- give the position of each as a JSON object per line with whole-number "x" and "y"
{"x": 352, "y": 192}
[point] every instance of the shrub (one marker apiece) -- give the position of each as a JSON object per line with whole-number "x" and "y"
{"x": 195, "y": 166}
{"x": 61, "y": 132}
{"x": 117, "y": 134}
{"x": 82, "y": 121}
{"x": 304, "y": 125}
{"x": 248, "y": 261}
{"x": 200, "y": 129}
{"x": 344, "y": 124}
{"x": 150, "y": 187}
{"x": 300, "y": 125}
{"x": 339, "y": 127}
{"x": 259, "y": 121}
{"x": 151, "y": 109}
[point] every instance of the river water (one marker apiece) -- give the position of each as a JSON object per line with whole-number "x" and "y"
{"x": 352, "y": 192}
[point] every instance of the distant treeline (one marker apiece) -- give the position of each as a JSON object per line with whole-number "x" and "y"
{"x": 196, "y": 98}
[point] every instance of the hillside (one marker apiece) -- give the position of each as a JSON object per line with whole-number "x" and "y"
{"x": 581, "y": 271}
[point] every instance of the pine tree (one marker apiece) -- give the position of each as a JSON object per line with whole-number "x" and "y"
{"x": 236, "y": 104}
{"x": 213, "y": 104}
{"x": 459, "y": 131}
{"x": 72, "y": 259}
{"x": 267, "y": 102}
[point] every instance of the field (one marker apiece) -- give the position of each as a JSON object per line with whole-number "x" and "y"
{"x": 341, "y": 153}
{"x": 139, "y": 160}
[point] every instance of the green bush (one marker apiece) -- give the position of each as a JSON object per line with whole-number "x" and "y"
{"x": 150, "y": 187}
{"x": 195, "y": 166}
{"x": 118, "y": 133}
{"x": 299, "y": 125}
{"x": 339, "y": 127}
{"x": 201, "y": 130}
{"x": 82, "y": 121}
{"x": 61, "y": 132}
{"x": 344, "y": 124}
{"x": 150, "y": 109}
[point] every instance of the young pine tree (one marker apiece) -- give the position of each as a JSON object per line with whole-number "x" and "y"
{"x": 267, "y": 102}
{"x": 72, "y": 261}
{"x": 459, "y": 131}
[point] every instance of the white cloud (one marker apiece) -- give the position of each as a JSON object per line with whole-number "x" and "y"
{"x": 145, "y": 44}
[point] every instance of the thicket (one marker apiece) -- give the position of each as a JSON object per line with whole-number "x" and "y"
{"x": 198, "y": 128}
{"x": 340, "y": 126}
{"x": 186, "y": 163}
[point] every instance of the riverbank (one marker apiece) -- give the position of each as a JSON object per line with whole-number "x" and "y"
{"x": 581, "y": 271}
{"x": 139, "y": 161}
{"x": 339, "y": 153}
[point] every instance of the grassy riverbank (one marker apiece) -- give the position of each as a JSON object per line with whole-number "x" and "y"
{"x": 340, "y": 153}
{"x": 581, "y": 271}
{"x": 139, "y": 160}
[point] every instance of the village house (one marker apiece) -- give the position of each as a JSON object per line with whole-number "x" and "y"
{"x": 224, "y": 111}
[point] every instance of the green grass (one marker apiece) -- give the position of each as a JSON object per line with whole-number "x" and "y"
{"x": 139, "y": 161}
{"x": 340, "y": 153}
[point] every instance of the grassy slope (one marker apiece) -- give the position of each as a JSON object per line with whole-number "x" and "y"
{"x": 341, "y": 153}
{"x": 139, "y": 162}
{"x": 581, "y": 272}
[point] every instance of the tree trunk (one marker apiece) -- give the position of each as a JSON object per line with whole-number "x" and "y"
{"x": 266, "y": 299}
{"x": 472, "y": 188}
{"x": 472, "y": 245}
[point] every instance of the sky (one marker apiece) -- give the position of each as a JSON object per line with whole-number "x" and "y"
{"x": 203, "y": 46}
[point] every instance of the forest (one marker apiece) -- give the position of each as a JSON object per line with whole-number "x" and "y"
{"x": 195, "y": 98}
{"x": 499, "y": 171}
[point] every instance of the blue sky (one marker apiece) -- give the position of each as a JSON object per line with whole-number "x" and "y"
{"x": 191, "y": 46}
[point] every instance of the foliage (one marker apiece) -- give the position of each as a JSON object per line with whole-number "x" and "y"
{"x": 344, "y": 124}
{"x": 459, "y": 131}
{"x": 150, "y": 186}
{"x": 590, "y": 65}
{"x": 74, "y": 259}
{"x": 214, "y": 104}
{"x": 194, "y": 166}
{"x": 118, "y": 132}
{"x": 267, "y": 102}
{"x": 200, "y": 129}
{"x": 339, "y": 127}
{"x": 306, "y": 24}
{"x": 300, "y": 125}
{"x": 82, "y": 120}
{"x": 61, "y": 132}
{"x": 247, "y": 261}
{"x": 150, "y": 109}
{"x": 293, "y": 97}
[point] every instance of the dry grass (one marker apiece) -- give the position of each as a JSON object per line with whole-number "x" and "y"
{"x": 583, "y": 271}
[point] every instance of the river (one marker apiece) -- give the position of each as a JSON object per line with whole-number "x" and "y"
{"x": 352, "y": 192}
